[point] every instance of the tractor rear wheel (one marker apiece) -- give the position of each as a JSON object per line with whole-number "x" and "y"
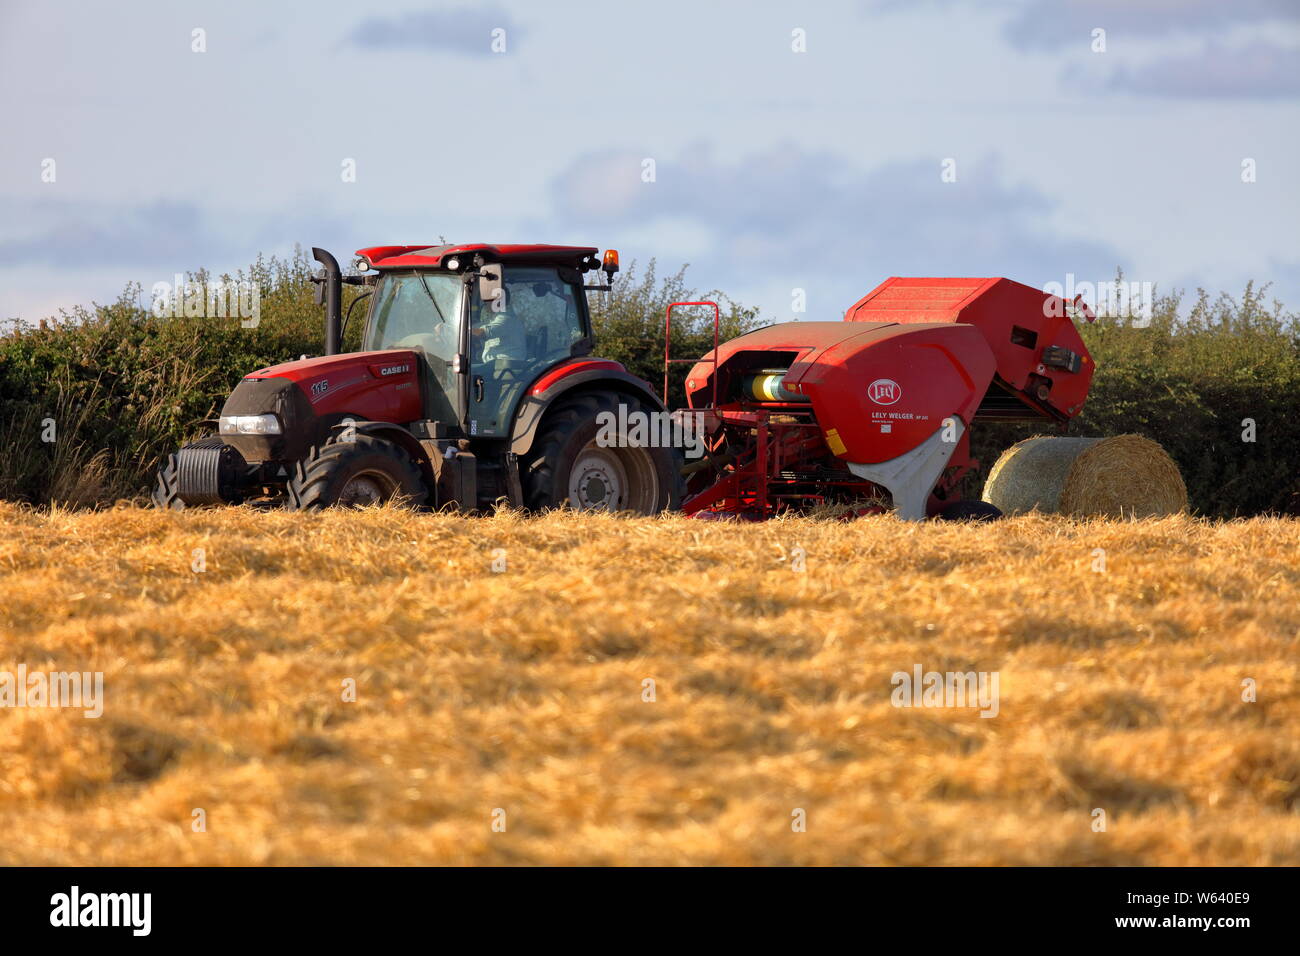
{"x": 349, "y": 474}
{"x": 568, "y": 464}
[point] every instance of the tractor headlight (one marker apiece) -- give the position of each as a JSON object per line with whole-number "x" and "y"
{"x": 250, "y": 425}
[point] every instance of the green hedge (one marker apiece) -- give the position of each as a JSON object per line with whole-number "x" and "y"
{"x": 123, "y": 387}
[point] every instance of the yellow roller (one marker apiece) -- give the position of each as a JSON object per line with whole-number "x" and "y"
{"x": 765, "y": 386}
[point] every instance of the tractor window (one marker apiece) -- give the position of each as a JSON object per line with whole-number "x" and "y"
{"x": 534, "y": 325}
{"x": 417, "y": 310}
{"x": 421, "y": 310}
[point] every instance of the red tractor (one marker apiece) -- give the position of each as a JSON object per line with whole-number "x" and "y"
{"x": 474, "y": 382}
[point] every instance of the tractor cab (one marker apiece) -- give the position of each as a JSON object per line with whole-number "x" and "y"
{"x": 485, "y": 328}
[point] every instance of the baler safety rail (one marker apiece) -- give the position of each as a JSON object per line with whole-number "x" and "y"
{"x": 668, "y": 344}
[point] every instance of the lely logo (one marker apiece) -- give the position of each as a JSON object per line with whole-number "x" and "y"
{"x": 884, "y": 391}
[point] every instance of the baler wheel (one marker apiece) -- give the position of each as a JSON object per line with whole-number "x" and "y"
{"x": 969, "y": 511}
{"x": 568, "y": 465}
{"x": 349, "y": 474}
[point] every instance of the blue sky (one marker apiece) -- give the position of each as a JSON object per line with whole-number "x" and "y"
{"x": 774, "y": 170}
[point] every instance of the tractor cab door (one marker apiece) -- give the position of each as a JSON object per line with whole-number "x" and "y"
{"x": 535, "y": 322}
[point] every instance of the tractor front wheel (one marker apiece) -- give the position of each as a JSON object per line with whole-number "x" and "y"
{"x": 574, "y": 462}
{"x": 166, "y": 490}
{"x": 351, "y": 473}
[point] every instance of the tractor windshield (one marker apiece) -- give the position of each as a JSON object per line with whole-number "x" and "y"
{"x": 415, "y": 310}
{"x": 421, "y": 310}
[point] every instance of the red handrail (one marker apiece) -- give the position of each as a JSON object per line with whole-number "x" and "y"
{"x": 668, "y": 343}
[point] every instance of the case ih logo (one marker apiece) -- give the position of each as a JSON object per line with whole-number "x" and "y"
{"x": 394, "y": 369}
{"x": 884, "y": 391}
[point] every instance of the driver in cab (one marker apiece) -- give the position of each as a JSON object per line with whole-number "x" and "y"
{"x": 497, "y": 333}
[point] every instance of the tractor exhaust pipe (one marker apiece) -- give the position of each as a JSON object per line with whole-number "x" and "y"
{"x": 329, "y": 291}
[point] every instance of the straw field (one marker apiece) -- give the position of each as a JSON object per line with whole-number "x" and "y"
{"x": 382, "y": 687}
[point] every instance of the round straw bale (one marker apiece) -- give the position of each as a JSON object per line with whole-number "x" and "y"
{"x": 1124, "y": 476}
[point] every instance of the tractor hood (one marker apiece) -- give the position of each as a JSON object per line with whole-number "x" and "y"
{"x": 308, "y": 369}
{"x": 310, "y": 396}
{"x": 374, "y": 386}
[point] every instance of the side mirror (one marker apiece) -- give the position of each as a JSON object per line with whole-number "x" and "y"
{"x": 491, "y": 282}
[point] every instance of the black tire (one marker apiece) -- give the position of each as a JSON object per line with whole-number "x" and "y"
{"x": 165, "y": 493}
{"x": 643, "y": 480}
{"x": 969, "y": 511}
{"x": 364, "y": 470}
